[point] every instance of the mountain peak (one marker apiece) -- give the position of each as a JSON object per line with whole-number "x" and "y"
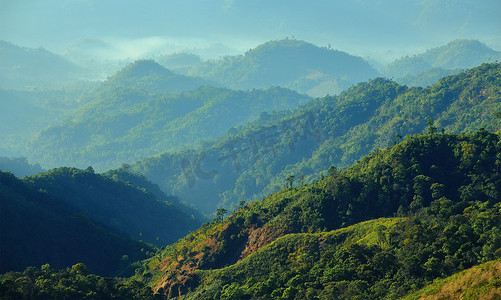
{"x": 152, "y": 77}
{"x": 142, "y": 68}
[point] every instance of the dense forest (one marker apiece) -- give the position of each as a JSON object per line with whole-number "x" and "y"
{"x": 255, "y": 160}
{"x": 39, "y": 228}
{"x": 137, "y": 113}
{"x": 389, "y": 225}
{"x": 224, "y": 178}
{"x": 442, "y": 190}
{"x": 290, "y": 63}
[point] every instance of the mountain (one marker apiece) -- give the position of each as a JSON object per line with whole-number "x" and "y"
{"x": 129, "y": 210}
{"x": 135, "y": 114}
{"x": 152, "y": 77}
{"x": 179, "y": 60}
{"x": 22, "y": 68}
{"x": 24, "y": 112}
{"x": 426, "y": 68}
{"x": 289, "y": 63}
{"x": 257, "y": 159}
{"x": 38, "y": 228}
{"x": 19, "y": 166}
{"x": 439, "y": 195}
{"x": 395, "y": 224}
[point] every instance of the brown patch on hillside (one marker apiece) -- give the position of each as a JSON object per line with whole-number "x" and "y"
{"x": 260, "y": 237}
{"x": 180, "y": 271}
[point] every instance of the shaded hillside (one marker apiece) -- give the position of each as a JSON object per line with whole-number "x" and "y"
{"x": 289, "y": 63}
{"x": 445, "y": 187}
{"x": 256, "y": 160}
{"x": 123, "y": 207}
{"x": 38, "y": 228}
{"x": 426, "y": 68}
{"x": 132, "y": 116}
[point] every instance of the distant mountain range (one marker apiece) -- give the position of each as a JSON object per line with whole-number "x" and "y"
{"x": 289, "y": 63}
{"x": 25, "y": 68}
{"x": 426, "y": 68}
{"x": 256, "y": 160}
{"x": 137, "y": 113}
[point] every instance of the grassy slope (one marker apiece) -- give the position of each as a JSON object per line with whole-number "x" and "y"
{"x": 480, "y": 282}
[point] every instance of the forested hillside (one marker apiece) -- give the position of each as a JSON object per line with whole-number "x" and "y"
{"x": 386, "y": 227}
{"x": 426, "y": 68}
{"x": 256, "y": 160}
{"x": 444, "y": 190}
{"x": 38, "y": 228}
{"x": 135, "y": 114}
{"x": 289, "y": 63}
{"x": 129, "y": 210}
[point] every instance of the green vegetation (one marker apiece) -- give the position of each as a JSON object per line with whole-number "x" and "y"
{"x": 256, "y": 160}
{"x": 315, "y": 241}
{"x": 479, "y": 282}
{"x": 132, "y": 211}
{"x": 289, "y": 63}
{"x": 71, "y": 283}
{"x": 445, "y": 188}
{"x": 426, "y": 68}
{"x": 371, "y": 194}
{"x": 38, "y": 228}
{"x": 133, "y": 115}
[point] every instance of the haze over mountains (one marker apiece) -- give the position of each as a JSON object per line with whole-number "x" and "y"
{"x": 290, "y": 63}
{"x": 249, "y": 149}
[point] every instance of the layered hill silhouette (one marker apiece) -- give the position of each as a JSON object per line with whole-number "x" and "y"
{"x": 22, "y": 68}
{"x": 289, "y": 63}
{"x": 255, "y": 161}
{"x": 426, "y": 68}
{"x": 136, "y": 114}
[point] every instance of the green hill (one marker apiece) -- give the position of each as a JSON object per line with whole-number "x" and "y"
{"x": 426, "y": 68}
{"x": 38, "y": 228}
{"x": 289, "y": 63}
{"x": 132, "y": 116}
{"x": 445, "y": 188}
{"x": 439, "y": 195}
{"x": 256, "y": 160}
{"x": 132, "y": 211}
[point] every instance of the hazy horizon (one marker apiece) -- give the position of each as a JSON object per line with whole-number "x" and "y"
{"x": 379, "y": 30}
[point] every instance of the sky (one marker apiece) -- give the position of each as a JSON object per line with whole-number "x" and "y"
{"x": 379, "y": 29}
